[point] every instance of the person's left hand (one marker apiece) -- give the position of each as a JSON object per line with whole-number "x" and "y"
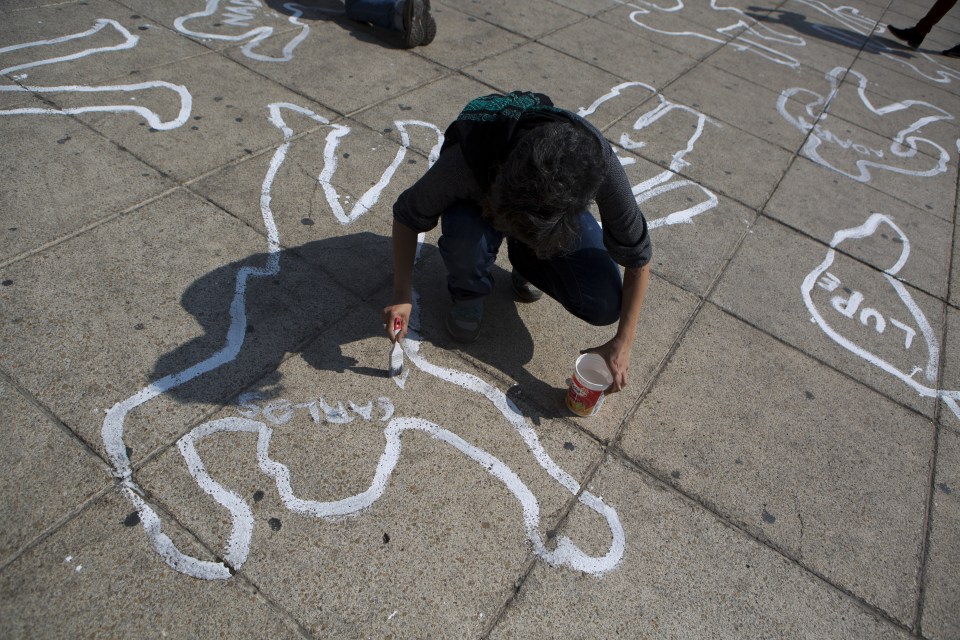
{"x": 617, "y": 357}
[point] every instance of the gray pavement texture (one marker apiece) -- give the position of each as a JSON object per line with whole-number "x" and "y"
{"x": 199, "y": 438}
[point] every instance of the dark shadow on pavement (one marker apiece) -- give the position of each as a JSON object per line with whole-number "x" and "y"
{"x": 303, "y": 310}
{"x": 837, "y": 35}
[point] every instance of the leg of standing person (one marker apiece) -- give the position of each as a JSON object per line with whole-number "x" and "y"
{"x": 410, "y": 17}
{"x": 914, "y": 35}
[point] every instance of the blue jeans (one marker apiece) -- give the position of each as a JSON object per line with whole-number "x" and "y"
{"x": 379, "y": 13}
{"x": 586, "y": 281}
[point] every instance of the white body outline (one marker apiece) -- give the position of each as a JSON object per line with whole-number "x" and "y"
{"x": 904, "y": 144}
{"x": 565, "y": 553}
{"x": 254, "y": 36}
{"x": 930, "y": 369}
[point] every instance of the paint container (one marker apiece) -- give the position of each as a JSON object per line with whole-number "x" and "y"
{"x": 591, "y": 378}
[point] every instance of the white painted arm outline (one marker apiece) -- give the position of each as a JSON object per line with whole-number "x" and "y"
{"x": 129, "y": 41}
{"x": 904, "y": 145}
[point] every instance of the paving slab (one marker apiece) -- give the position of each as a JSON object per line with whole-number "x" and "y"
{"x": 737, "y": 102}
{"x": 666, "y": 29}
{"x": 532, "y": 19}
{"x": 149, "y": 296}
{"x": 95, "y": 576}
{"x": 954, "y": 272}
{"x": 623, "y": 51}
{"x": 950, "y": 378}
{"x": 545, "y": 341}
{"x": 437, "y": 529}
{"x": 227, "y": 120}
{"x": 920, "y": 76}
{"x": 345, "y": 85}
{"x": 437, "y": 104}
{"x": 60, "y": 177}
{"x": 819, "y": 202}
{"x": 795, "y": 452}
{"x": 862, "y": 321}
{"x": 463, "y": 39}
{"x": 684, "y": 574}
{"x": 39, "y": 492}
{"x": 535, "y": 67}
{"x": 942, "y": 586}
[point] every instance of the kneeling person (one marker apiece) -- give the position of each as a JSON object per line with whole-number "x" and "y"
{"x": 516, "y": 167}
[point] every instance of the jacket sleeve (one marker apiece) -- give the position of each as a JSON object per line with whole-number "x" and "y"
{"x": 449, "y": 180}
{"x": 625, "y": 233}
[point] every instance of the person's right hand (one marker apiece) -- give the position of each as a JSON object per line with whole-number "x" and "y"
{"x": 402, "y": 311}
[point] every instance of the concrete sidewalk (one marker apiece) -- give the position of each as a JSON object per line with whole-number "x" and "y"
{"x": 199, "y": 438}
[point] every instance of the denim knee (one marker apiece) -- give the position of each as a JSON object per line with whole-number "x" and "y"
{"x": 602, "y": 310}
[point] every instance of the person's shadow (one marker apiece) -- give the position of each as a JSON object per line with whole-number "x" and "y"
{"x": 319, "y": 10}
{"x": 313, "y": 305}
{"x": 842, "y": 36}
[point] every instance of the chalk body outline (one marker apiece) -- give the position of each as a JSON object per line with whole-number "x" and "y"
{"x": 904, "y": 144}
{"x": 930, "y": 370}
{"x": 565, "y": 553}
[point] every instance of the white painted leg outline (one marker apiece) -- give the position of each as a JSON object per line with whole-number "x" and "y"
{"x": 129, "y": 41}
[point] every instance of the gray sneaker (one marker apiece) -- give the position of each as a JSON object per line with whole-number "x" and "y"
{"x": 523, "y": 290}
{"x": 464, "y": 319}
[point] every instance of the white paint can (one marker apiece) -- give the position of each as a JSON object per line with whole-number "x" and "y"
{"x": 591, "y": 378}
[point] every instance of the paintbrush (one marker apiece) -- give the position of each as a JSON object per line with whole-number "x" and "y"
{"x": 396, "y": 354}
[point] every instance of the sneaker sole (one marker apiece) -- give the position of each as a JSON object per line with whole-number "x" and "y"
{"x": 413, "y": 15}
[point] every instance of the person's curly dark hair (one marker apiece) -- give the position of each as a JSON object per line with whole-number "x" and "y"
{"x": 547, "y": 179}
